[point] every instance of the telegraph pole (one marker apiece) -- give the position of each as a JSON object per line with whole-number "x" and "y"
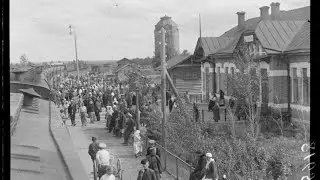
{"x": 75, "y": 45}
{"x": 163, "y": 84}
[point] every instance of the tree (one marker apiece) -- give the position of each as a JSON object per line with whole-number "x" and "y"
{"x": 185, "y": 52}
{"x": 23, "y": 60}
{"x": 245, "y": 87}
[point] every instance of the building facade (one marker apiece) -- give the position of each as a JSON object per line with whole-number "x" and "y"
{"x": 171, "y": 37}
{"x": 280, "y": 44}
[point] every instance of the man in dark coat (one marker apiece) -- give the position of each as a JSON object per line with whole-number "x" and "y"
{"x": 130, "y": 124}
{"x": 113, "y": 120}
{"x": 146, "y": 173}
{"x": 93, "y": 149}
{"x": 97, "y": 108}
{"x": 200, "y": 169}
{"x": 72, "y": 112}
{"x": 152, "y": 144}
{"x": 155, "y": 163}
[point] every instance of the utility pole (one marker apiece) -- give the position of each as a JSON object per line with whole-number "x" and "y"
{"x": 163, "y": 84}
{"x": 138, "y": 103}
{"x": 75, "y": 45}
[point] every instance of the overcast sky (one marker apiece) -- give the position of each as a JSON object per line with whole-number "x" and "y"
{"x": 113, "y": 29}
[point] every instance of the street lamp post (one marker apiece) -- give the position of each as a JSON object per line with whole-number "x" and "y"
{"x": 75, "y": 45}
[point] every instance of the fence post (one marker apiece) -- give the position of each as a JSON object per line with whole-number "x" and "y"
{"x": 177, "y": 168}
{"x": 165, "y": 159}
{"x": 202, "y": 114}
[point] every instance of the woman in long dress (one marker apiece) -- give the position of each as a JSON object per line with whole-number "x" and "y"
{"x": 137, "y": 144}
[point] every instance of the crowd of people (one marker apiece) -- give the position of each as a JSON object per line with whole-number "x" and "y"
{"x": 88, "y": 96}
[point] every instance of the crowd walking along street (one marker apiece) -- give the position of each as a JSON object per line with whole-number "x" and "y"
{"x": 94, "y": 127}
{"x": 228, "y": 107}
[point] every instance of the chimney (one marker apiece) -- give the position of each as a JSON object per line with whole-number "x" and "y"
{"x": 275, "y": 9}
{"x": 264, "y": 12}
{"x": 241, "y": 20}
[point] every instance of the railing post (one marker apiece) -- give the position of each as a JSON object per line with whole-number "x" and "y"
{"x": 177, "y": 168}
{"x": 165, "y": 159}
{"x": 202, "y": 114}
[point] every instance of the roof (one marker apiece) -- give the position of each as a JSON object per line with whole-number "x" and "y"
{"x": 299, "y": 14}
{"x": 165, "y": 20}
{"x": 124, "y": 59}
{"x": 211, "y": 45}
{"x": 229, "y": 48}
{"x": 121, "y": 67}
{"x": 30, "y": 91}
{"x": 277, "y": 35}
{"x": 301, "y": 42}
{"x": 101, "y": 62}
{"x": 176, "y": 60}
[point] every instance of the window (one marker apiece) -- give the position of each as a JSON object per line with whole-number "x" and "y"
{"x": 295, "y": 86}
{"x": 232, "y": 71}
{"x": 190, "y": 76}
{"x": 305, "y": 90}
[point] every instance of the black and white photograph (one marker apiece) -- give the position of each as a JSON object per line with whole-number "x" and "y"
{"x": 160, "y": 90}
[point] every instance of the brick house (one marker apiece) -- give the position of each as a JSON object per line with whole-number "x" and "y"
{"x": 280, "y": 42}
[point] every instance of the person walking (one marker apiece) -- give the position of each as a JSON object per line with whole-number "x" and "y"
{"x": 129, "y": 128}
{"x": 63, "y": 117}
{"x": 146, "y": 173}
{"x": 153, "y": 147}
{"x": 137, "y": 144}
{"x": 155, "y": 163}
{"x": 91, "y": 113}
{"x": 200, "y": 169}
{"x": 83, "y": 111}
{"x": 72, "y": 112}
{"x": 103, "y": 158}
{"x": 93, "y": 149}
{"x": 196, "y": 112}
{"x": 211, "y": 169}
{"x": 97, "y": 108}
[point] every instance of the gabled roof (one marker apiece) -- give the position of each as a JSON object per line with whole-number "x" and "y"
{"x": 301, "y": 42}
{"x": 123, "y": 66}
{"x": 299, "y": 14}
{"x": 211, "y": 45}
{"x": 228, "y": 50}
{"x": 251, "y": 24}
{"x": 277, "y": 35}
{"x": 176, "y": 60}
{"x": 124, "y": 59}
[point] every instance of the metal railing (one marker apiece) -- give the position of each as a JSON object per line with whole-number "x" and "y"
{"x": 172, "y": 164}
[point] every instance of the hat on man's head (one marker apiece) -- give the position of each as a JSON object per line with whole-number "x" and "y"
{"x": 152, "y": 141}
{"x": 93, "y": 138}
{"x": 102, "y": 146}
{"x": 209, "y": 155}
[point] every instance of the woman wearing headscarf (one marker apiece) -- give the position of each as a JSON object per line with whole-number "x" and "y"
{"x": 211, "y": 169}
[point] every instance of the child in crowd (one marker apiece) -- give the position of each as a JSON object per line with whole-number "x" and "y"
{"x": 63, "y": 116}
{"x": 137, "y": 144}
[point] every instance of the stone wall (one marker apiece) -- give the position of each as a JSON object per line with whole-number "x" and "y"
{"x": 16, "y": 102}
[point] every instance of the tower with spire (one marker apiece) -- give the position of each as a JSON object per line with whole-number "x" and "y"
{"x": 172, "y": 37}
